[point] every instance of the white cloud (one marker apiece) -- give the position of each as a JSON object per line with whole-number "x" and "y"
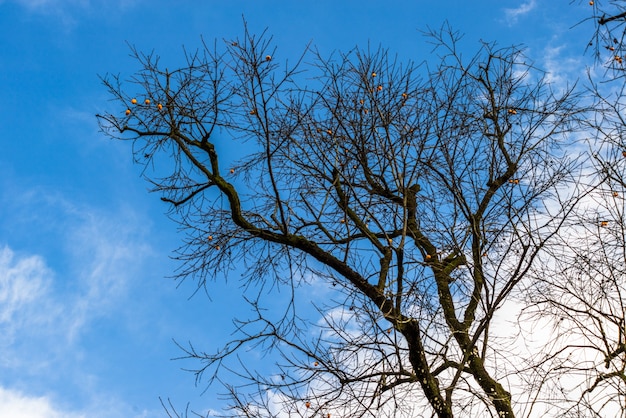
{"x": 28, "y": 310}
{"x": 512, "y": 15}
{"x": 107, "y": 254}
{"x": 23, "y": 282}
{"x": 65, "y": 267}
{"x": 52, "y": 5}
{"x": 15, "y": 404}
{"x": 63, "y": 11}
{"x": 98, "y": 254}
{"x": 18, "y": 404}
{"x": 68, "y": 13}
{"x": 561, "y": 69}
{"x": 56, "y": 6}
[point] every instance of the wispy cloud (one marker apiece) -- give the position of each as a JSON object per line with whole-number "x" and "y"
{"x": 562, "y": 68}
{"x": 56, "y": 5}
{"x": 103, "y": 255}
{"x": 53, "y": 5}
{"x": 512, "y": 15}
{"x": 53, "y": 296}
{"x": 64, "y": 12}
{"x": 108, "y": 255}
{"x": 16, "y": 404}
{"x": 69, "y": 12}
{"x": 103, "y": 252}
{"x": 29, "y": 313}
{"x": 23, "y": 283}
{"x": 20, "y": 404}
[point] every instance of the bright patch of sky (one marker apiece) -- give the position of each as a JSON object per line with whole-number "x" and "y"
{"x": 87, "y": 315}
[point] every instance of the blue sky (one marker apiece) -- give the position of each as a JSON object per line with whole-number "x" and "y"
{"x": 87, "y": 313}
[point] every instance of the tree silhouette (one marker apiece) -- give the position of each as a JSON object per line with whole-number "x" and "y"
{"x": 607, "y": 42}
{"x": 579, "y": 288}
{"x": 422, "y": 197}
{"x": 585, "y": 307}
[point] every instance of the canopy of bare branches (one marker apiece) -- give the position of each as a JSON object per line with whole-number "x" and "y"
{"x": 431, "y": 199}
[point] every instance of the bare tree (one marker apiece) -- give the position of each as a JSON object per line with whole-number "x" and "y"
{"x": 422, "y": 196}
{"x": 578, "y": 290}
{"x": 607, "y": 42}
{"x": 585, "y": 306}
